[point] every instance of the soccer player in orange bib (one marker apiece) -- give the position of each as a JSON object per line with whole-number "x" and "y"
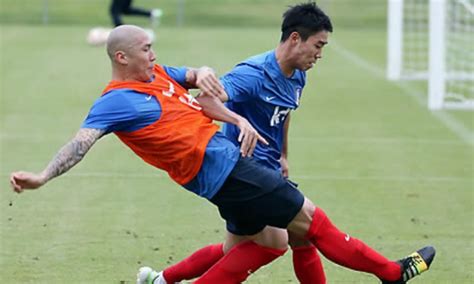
{"x": 148, "y": 108}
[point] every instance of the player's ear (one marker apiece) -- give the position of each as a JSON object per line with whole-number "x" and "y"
{"x": 295, "y": 37}
{"x": 121, "y": 57}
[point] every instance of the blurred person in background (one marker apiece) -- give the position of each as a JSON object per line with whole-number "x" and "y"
{"x": 124, "y": 7}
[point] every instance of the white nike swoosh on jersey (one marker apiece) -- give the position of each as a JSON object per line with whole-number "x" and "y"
{"x": 148, "y": 98}
{"x": 269, "y": 98}
{"x": 347, "y": 237}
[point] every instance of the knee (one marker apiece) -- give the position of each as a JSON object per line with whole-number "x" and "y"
{"x": 302, "y": 221}
{"x": 272, "y": 237}
{"x": 232, "y": 240}
{"x": 307, "y": 212}
{"x": 308, "y": 208}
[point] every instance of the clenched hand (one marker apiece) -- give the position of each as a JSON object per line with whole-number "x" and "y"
{"x": 207, "y": 82}
{"x": 25, "y": 180}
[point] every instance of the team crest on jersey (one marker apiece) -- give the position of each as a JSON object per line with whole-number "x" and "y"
{"x": 279, "y": 115}
{"x": 298, "y": 95}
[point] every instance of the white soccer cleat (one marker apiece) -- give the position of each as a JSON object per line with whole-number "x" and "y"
{"x": 146, "y": 275}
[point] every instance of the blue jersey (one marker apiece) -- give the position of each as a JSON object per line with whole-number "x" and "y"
{"x": 126, "y": 110}
{"x": 260, "y": 92}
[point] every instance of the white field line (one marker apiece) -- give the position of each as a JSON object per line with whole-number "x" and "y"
{"x": 444, "y": 117}
{"x": 161, "y": 175}
{"x": 376, "y": 140}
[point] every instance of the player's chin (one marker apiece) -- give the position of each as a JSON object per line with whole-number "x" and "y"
{"x": 308, "y": 66}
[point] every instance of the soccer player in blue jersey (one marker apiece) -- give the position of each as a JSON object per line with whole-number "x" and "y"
{"x": 264, "y": 89}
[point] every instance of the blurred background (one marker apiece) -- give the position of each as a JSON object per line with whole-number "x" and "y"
{"x": 385, "y": 168}
{"x": 229, "y": 13}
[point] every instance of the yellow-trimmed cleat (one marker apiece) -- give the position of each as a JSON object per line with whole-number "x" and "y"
{"x": 414, "y": 264}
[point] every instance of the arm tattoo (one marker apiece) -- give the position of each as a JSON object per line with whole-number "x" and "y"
{"x": 73, "y": 152}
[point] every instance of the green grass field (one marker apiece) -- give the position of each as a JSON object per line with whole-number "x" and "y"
{"x": 368, "y": 151}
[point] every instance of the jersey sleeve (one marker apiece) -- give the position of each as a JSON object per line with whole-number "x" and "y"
{"x": 111, "y": 112}
{"x": 177, "y": 73}
{"x": 242, "y": 83}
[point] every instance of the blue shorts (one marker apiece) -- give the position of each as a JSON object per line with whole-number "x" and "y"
{"x": 254, "y": 196}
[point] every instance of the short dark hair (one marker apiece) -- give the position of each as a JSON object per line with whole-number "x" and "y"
{"x": 306, "y": 19}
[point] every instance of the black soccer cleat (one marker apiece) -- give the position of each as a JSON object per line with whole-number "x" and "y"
{"x": 414, "y": 264}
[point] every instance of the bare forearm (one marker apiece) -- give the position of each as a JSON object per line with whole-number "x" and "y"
{"x": 215, "y": 109}
{"x": 248, "y": 136}
{"x": 71, "y": 153}
{"x": 284, "y": 149}
{"x": 286, "y": 127}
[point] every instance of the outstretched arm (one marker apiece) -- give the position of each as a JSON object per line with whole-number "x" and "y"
{"x": 215, "y": 109}
{"x": 68, "y": 156}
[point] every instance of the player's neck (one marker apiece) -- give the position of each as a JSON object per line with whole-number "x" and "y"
{"x": 282, "y": 54}
{"x": 122, "y": 75}
{"x": 118, "y": 73}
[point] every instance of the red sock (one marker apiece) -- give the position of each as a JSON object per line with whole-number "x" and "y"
{"x": 308, "y": 266}
{"x": 348, "y": 251}
{"x": 194, "y": 265}
{"x": 238, "y": 263}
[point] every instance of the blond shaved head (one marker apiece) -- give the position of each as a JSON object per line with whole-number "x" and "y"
{"x": 123, "y": 38}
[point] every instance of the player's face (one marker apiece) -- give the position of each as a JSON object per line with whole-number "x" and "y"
{"x": 141, "y": 59}
{"x": 310, "y": 50}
